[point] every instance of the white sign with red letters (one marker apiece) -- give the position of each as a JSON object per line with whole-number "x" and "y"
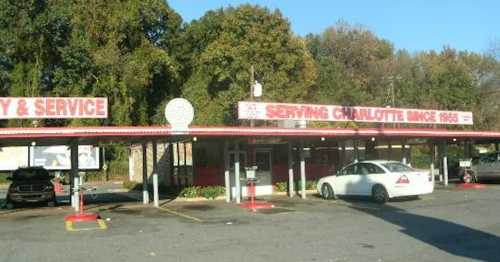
{"x": 308, "y": 112}
{"x": 53, "y": 107}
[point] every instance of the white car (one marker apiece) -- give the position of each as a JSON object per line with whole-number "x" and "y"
{"x": 380, "y": 179}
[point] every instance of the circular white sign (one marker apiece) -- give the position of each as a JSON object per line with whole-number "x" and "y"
{"x": 179, "y": 113}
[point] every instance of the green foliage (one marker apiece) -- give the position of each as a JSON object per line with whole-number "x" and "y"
{"x": 3, "y": 178}
{"x": 281, "y": 186}
{"x": 211, "y": 192}
{"x": 124, "y": 50}
{"x": 140, "y": 55}
{"x": 355, "y": 67}
{"x": 351, "y": 63}
{"x": 225, "y": 43}
{"x": 131, "y": 185}
{"x": 421, "y": 157}
{"x": 190, "y": 192}
{"x": 208, "y": 192}
{"x": 311, "y": 184}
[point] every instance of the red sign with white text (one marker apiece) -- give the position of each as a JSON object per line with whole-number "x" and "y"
{"x": 53, "y": 107}
{"x": 282, "y": 111}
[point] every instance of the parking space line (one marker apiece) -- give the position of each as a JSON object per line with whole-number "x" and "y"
{"x": 168, "y": 210}
{"x": 101, "y": 225}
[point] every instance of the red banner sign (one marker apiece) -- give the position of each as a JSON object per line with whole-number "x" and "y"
{"x": 282, "y": 111}
{"x": 53, "y": 107}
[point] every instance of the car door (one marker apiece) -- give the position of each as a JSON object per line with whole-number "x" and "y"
{"x": 347, "y": 181}
{"x": 486, "y": 166}
{"x": 496, "y": 166}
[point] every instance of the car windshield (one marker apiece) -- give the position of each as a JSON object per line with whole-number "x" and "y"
{"x": 30, "y": 174}
{"x": 394, "y": 167}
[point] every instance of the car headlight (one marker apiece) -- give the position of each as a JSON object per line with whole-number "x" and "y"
{"x": 13, "y": 189}
{"x": 49, "y": 187}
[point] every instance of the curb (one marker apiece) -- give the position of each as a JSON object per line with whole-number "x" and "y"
{"x": 197, "y": 199}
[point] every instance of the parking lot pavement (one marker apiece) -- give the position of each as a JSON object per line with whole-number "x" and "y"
{"x": 449, "y": 225}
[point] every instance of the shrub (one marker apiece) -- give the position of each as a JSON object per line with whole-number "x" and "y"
{"x": 211, "y": 192}
{"x": 190, "y": 192}
{"x": 311, "y": 184}
{"x": 3, "y": 178}
{"x": 281, "y": 186}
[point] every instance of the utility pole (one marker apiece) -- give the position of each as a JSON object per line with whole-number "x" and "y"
{"x": 392, "y": 92}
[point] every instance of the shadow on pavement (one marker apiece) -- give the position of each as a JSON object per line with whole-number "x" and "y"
{"x": 456, "y": 239}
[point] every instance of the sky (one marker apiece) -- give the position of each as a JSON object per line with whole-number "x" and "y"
{"x": 414, "y": 25}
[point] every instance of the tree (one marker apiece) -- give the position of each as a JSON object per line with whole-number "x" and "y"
{"x": 124, "y": 50}
{"x": 131, "y": 45}
{"x": 225, "y": 43}
{"x": 353, "y": 65}
{"x": 31, "y": 32}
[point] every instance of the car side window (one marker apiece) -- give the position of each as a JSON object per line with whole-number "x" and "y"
{"x": 374, "y": 169}
{"x": 348, "y": 170}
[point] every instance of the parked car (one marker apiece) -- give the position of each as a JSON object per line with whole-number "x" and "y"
{"x": 30, "y": 185}
{"x": 380, "y": 179}
{"x": 483, "y": 167}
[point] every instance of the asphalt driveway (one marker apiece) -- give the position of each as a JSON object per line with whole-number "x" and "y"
{"x": 449, "y": 225}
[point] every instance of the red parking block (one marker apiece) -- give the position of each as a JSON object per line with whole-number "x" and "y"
{"x": 254, "y": 205}
{"x": 82, "y": 217}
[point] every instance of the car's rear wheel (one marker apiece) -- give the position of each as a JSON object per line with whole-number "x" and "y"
{"x": 51, "y": 203}
{"x": 379, "y": 194}
{"x": 327, "y": 191}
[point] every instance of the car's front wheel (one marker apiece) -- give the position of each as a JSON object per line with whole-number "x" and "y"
{"x": 9, "y": 205}
{"x": 379, "y": 194}
{"x": 327, "y": 191}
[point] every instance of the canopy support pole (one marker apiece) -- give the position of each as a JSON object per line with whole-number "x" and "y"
{"x": 156, "y": 196}
{"x": 302, "y": 170}
{"x": 237, "y": 181}
{"x": 145, "y": 192}
{"x": 291, "y": 189}
{"x": 227, "y": 179}
{"x": 74, "y": 187}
